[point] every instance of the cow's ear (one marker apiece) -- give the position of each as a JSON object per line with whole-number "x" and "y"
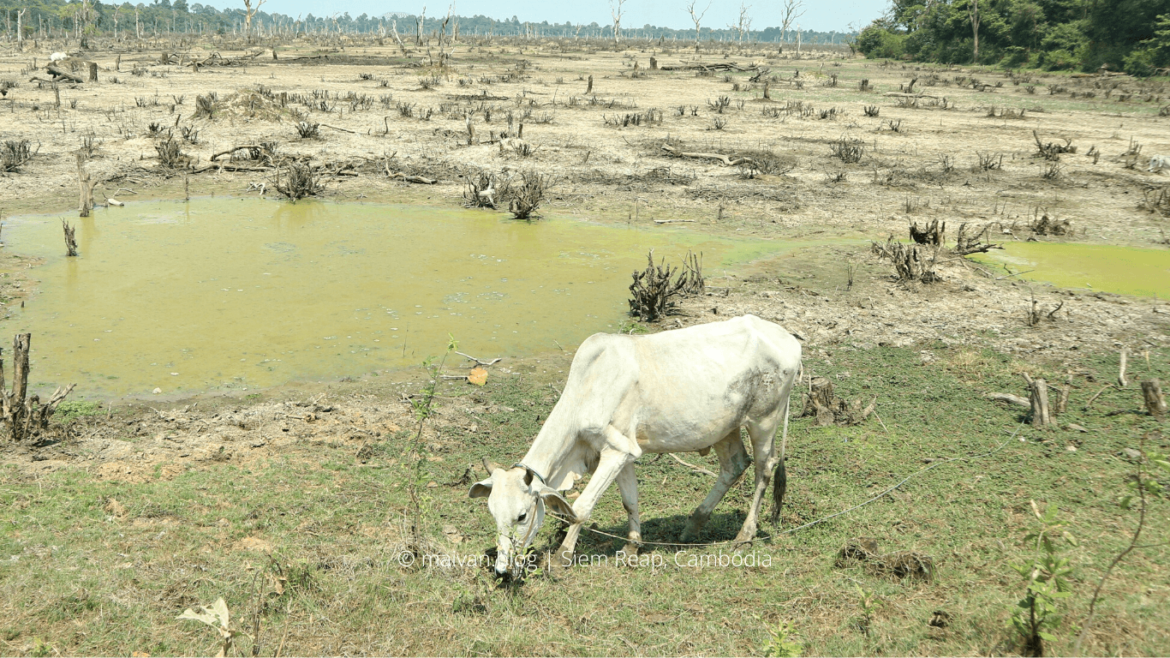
{"x": 481, "y": 489}
{"x": 555, "y": 502}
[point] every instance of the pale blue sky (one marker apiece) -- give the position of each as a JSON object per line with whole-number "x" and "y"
{"x": 823, "y": 15}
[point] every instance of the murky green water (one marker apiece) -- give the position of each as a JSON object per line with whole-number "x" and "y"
{"x": 1124, "y": 270}
{"x": 233, "y": 293}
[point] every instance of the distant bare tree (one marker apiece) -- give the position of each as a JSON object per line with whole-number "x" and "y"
{"x": 697, "y": 17}
{"x": 744, "y": 24}
{"x": 973, "y": 12}
{"x": 616, "y": 10}
{"x": 250, "y": 12}
{"x": 792, "y": 10}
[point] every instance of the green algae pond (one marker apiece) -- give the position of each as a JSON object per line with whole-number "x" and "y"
{"x": 1103, "y": 268}
{"x": 247, "y": 293}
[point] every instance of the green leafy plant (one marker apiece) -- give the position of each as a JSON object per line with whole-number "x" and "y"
{"x": 867, "y": 601}
{"x": 421, "y": 405}
{"x": 216, "y": 617}
{"x": 1141, "y": 488}
{"x": 1037, "y": 613}
{"x": 781, "y": 643}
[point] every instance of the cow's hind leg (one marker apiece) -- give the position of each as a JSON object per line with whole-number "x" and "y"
{"x": 627, "y": 483}
{"x": 733, "y": 461}
{"x": 767, "y": 458}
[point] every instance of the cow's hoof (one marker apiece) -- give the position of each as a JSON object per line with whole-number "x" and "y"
{"x": 743, "y": 541}
{"x": 564, "y": 559}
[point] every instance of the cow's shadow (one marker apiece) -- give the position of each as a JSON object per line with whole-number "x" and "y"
{"x": 662, "y": 534}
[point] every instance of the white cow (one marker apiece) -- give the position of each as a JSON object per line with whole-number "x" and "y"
{"x": 677, "y": 391}
{"x": 1158, "y": 163}
{"x": 56, "y": 57}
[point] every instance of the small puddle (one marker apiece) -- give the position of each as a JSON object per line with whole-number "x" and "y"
{"x": 235, "y": 293}
{"x": 1104, "y": 268}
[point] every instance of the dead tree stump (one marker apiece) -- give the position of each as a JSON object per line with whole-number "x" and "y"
{"x": 1155, "y": 401}
{"x": 1038, "y": 397}
{"x": 819, "y": 401}
{"x": 85, "y": 185}
{"x": 589, "y": 88}
{"x": 24, "y": 415}
{"x": 93, "y": 72}
{"x": 653, "y": 64}
{"x": 70, "y": 240}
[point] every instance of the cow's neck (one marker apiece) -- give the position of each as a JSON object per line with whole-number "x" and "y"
{"x": 551, "y": 449}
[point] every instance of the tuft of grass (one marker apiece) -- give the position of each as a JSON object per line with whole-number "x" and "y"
{"x": 70, "y": 410}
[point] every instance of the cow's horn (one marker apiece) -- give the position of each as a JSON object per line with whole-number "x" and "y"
{"x": 490, "y": 466}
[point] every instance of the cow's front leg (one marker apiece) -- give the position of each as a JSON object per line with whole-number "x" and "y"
{"x": 627, "y": 483}
{"x": 608, "y": 466}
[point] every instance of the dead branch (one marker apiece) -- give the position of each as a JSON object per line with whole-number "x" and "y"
{"x": 1008, "y": 397}
{"x": 725, "y": 159}
{"x": 698, "y": 469}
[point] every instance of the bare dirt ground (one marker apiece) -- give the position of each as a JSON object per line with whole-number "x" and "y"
{"x": 384, "y": 112}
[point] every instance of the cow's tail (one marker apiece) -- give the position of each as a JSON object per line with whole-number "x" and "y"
{"x": 780, "y": 477}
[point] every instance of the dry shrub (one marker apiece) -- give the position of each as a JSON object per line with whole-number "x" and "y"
{"x": 764, "y": 163}
{"x": 170, "y": 155}
{"x": 297, "y": 181}
{"x": 653, "y": 288}
{"x": 848, "y": 151}
{"x": 911, "y": 262}
{"x": 1052, "y": 150}
{"x": 308, "y": 130}
{"x": 1047, "y": 226}
{"x": 205, "y": 106}
{"x": 1157, "y": 200}
{"x": 529, "y": 194}
{"x": 15, "y": 155}
{"x": 487, "y": 190}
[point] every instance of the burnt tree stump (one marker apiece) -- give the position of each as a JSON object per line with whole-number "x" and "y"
{"x": 932, "y": 234}
{"x": 70, "y": 239}
{"x": 24, "y": 415}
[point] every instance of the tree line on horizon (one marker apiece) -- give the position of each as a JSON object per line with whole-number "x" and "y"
{"x": 1086, "y": 35}
{"x": 48, "y": 18}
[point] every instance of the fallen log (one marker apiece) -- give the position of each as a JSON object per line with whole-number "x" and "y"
{"x": 412, "y": 179}
{"x": 725, "y": 159}
{"x": 234, "y": 149}
{"x": 58, "y": 73}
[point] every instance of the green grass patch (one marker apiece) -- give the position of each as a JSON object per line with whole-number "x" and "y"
{"x": 81, "y": 576}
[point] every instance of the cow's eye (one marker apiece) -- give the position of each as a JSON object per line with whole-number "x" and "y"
{"x": 520, "y": 519}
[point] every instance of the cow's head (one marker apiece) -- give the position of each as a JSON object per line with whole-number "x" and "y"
{"x": 517, "y": 499}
